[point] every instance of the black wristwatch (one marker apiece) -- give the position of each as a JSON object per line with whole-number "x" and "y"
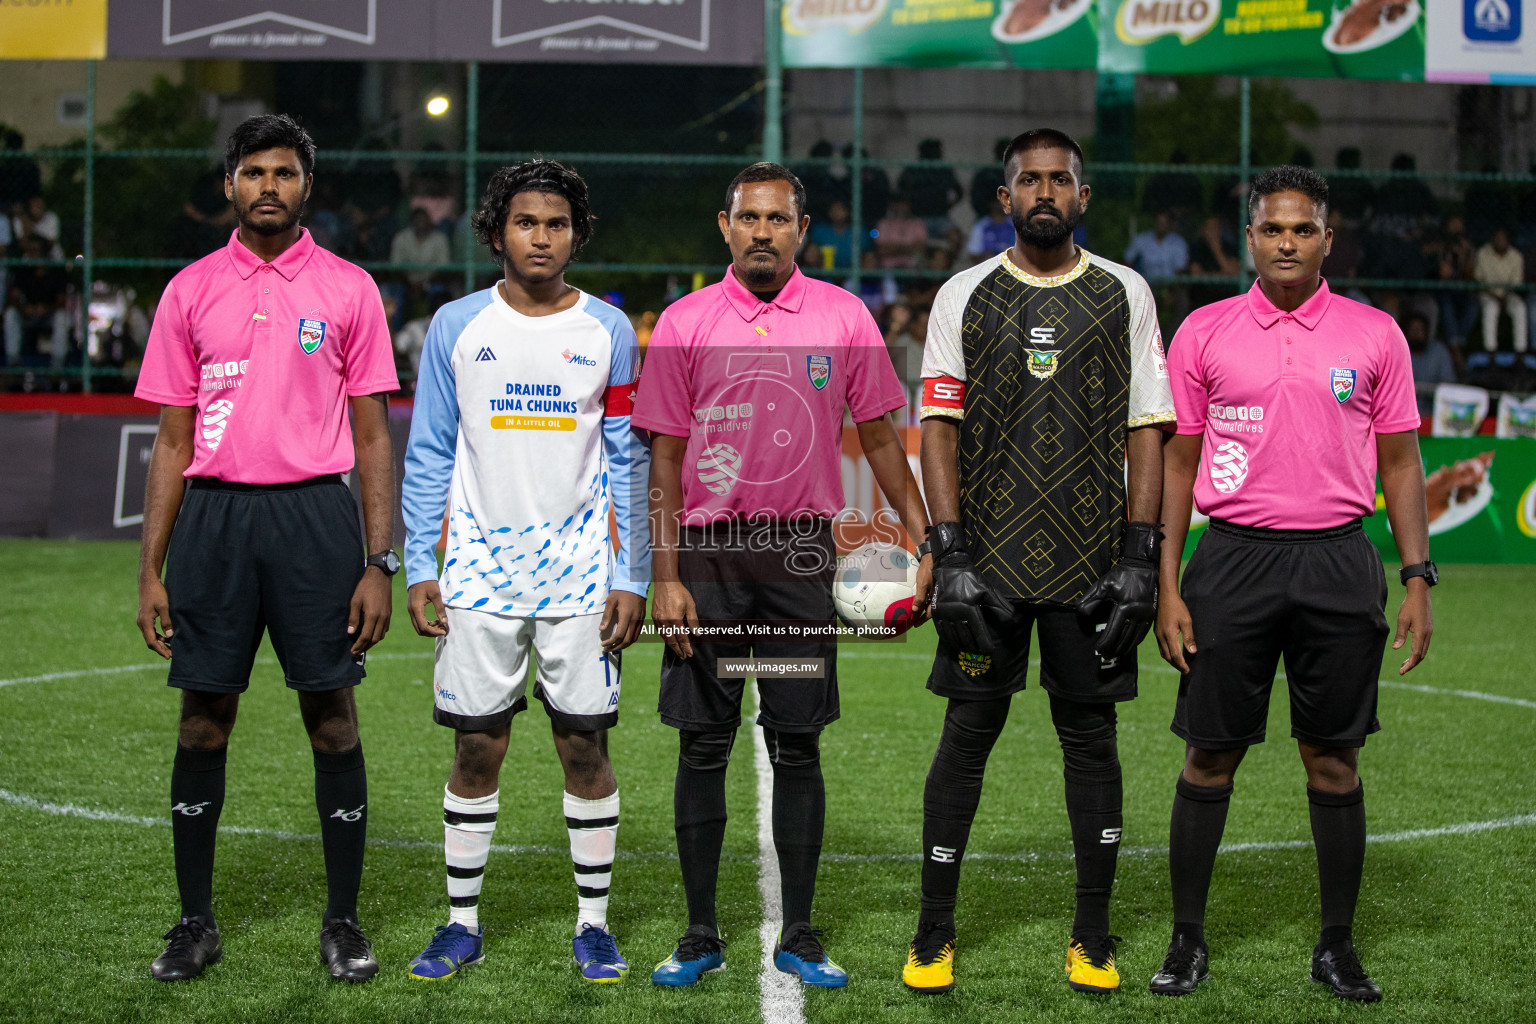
{"x": 924, "y": 550}
{"x": 1426, "y": 569}
{"x": 385, "y": 560}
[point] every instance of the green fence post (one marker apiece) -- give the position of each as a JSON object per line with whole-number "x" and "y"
{"x": 1245, "y": 170}
{"x": 856, "y": 169}
{"x": 773, "y": 83}
{"x": 89, "y": 259}
{"x": 471, "y": 144}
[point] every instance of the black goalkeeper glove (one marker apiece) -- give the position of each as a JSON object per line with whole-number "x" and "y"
{"x": 1130, "y": 587}
{"x": 961, "y": 601}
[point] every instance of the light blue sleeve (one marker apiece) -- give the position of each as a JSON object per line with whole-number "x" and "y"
{"x": 629, "y": 461}
{"x": 429, "y": 453}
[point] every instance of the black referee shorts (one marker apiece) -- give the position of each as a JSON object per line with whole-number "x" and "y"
{"x": 1315, "y": 597}
{"x": 1069, "y": 666}
{"x": 281, "y": 559}
{"x": 771, "y": 573}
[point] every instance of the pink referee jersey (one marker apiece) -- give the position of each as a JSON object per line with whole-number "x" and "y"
{"x": 269, "y": 353}
{"x": 758, "y": 389}
{"x": 1290, "y": 405}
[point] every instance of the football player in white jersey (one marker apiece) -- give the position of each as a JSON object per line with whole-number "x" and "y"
{"x": 521, "y": 430}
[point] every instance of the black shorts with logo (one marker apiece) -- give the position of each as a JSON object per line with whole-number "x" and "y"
{"x": 281, "y": 559}
{"x": 760, "y": 572}
{"x": 1069, "y": 666}
{"x": 1318, "y": 599}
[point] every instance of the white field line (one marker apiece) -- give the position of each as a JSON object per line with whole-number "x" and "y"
{"x": 30, "y": 803}
{"x": 782, "y": 1001}
{"x": 855, "y": 654}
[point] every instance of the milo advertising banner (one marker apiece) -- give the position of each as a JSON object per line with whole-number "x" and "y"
{"x": 941, "y": 33}
{"x": 1317, "y": 38}
{"x": 1481, "y": 493}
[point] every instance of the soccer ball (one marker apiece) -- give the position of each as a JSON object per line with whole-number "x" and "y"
{"x": 875, "y": 585}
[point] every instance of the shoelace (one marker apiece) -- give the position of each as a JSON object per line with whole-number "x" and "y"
{"x": 805, "y": 943}
{"x": 1181, "y": 958}
{"x": 603, "y": 947}
{"x": 693, "y": 946}
{"x": 184, "y": 938}
{"x": 930, "y": 941}
{"x": 348, "y": 939}
{"x": 1100, "y": 951}
{"x": 441, "y": 945}
{"x": 1348, "y": 964}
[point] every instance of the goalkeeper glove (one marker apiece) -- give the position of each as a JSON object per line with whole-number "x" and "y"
{"x": 961, "y": 601}
{"x": 1130, "y": 588}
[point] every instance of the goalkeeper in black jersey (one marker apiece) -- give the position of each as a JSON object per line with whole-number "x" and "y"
{"x": 1043, "y": 374}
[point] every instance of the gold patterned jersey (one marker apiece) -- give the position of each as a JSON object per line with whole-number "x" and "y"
{"x": 1045, "y": 376}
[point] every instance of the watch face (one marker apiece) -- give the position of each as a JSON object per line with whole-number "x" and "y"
{"x": 392, "y": 562}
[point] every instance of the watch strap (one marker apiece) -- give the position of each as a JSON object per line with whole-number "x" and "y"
{"x": 1425, "y": 570}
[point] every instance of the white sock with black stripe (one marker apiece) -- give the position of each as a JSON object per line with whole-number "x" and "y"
{"x": 593, "y": 826}
{"x": 468, "y": 823}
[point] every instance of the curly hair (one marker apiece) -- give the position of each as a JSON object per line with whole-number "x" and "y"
{"x": 1289, "y": 178}
{"x": 545, "y": 176}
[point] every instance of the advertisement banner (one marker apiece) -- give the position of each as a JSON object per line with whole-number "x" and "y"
{"x": 636, "y": 32}
{"x": 617, "y": 32}
{"x": 270, "y": 29}
{"x": 1481, "y": 494}
{"x": 941, "y": 33}
{"x": 53, "y": 29}
{"x": 1314, "y": 38}
{"x": 1479, "y": 41}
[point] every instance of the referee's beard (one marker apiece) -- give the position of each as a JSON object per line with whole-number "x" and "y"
{"x": 759, "y": 275}
{"x": 269, "y": 227}
{"x": 1047, "y": 233}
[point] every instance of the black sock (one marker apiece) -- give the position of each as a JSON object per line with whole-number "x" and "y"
{"x": 197, "y": 798}
{"x": 341, "y": 797}
{"x": 698, "y": 808}
{"x": 1194, "y": 834}
{"x": 1094, "y": 795}
{"x": 950, "y": 798}
{"x": 1338, "y": 833}
{"x": 799, "y": 817}
{"x": 799, "y": 813}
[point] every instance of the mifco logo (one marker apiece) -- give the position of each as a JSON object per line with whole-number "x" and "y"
{"x": 578, "y": 359}
{"x": 1491, "y": 21}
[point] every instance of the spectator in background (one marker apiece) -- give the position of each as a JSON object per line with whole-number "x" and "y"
{"x": 1347, "y": 253}
{"x": 432, "y": 189}
{"x": 1432, "y": 362}
{"x": 20, "y": 178}
{"x": 206, "y": 218}
{"x": 931, "y": 191}
{"x": 831, "y": 240}
{"x": 986, "y": 182}
{"x": 35, "y": 219}
{"x": 905, "y": 328}
{"x": 1160, "y": 252}
{"x": 1348, "y": 193}
{"x": 1404, "y": 209}
{"x": 1212, "y": 255}
{"x": 1489, "y": 205}
{"x": 1453, "y": 256}
{"x": 420, "y": 243}
{"x": 876, "y": 188}
{"x": 901, "y": 238}
{"x": 991, "y": 234}
{"x": 876, "y": 289}
{"x": 1500, "y": 265}
{"x": 1178, "y": 193}
{"x": 822, "y": 187}
{"x": 36, "y": 307}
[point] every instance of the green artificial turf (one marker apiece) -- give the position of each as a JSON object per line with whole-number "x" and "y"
{"x": 1444, "y": 921}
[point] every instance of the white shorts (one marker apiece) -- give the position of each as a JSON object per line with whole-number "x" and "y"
{"x": 481, "y": 671}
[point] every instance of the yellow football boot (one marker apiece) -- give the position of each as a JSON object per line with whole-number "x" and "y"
{"x": 1091, "y": 968}
{"x": 930, "y": 965}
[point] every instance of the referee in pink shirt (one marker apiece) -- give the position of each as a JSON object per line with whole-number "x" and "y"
{"x": 257, "y": 354}
{"x": 1289, "y": 399}
{"x": 743, "y": 390}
